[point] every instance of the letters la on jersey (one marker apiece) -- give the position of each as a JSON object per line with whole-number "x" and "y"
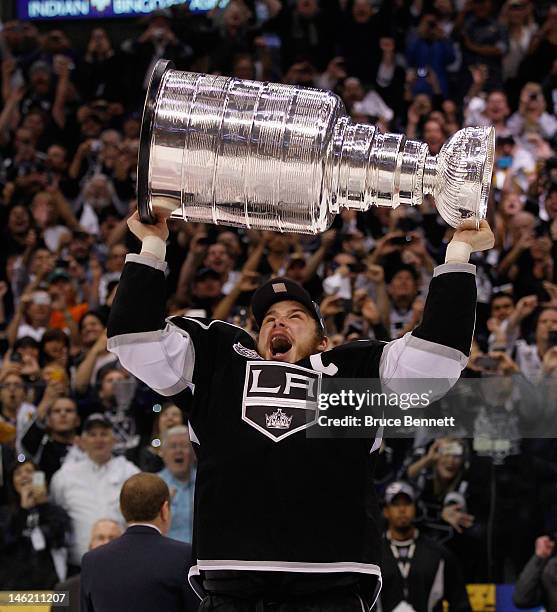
{"x": 280, "y": 398}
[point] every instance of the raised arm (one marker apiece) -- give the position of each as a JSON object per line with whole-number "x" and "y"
{"x": 158, "y": 354}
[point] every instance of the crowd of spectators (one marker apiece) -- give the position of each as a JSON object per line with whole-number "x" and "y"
{"x": 69, "y": 129}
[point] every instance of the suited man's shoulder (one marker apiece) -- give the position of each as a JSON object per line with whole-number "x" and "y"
{"x": 169, "y": 548}
{"x": 95, "y": 557}
{"x": 177, "y": 546}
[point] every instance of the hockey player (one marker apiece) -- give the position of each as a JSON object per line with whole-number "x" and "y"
{"x": 282, "y": 522}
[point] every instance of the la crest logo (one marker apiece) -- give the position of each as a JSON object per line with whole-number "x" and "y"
{"x": 100, "y": 5}
{"x": 279, "y": 399}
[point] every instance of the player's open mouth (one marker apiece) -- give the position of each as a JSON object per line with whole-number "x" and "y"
{"x": 280, "y": 345}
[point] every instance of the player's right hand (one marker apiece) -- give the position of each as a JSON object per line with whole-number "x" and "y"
{"x": 142, "y": 230}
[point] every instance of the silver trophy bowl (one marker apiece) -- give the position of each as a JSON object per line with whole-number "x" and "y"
{"x": 242, "y": 153}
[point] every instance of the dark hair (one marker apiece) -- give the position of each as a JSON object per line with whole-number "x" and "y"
{"x": 13, "y": 498}
{"x": 142, "y": 497}
{"x": 106, "y": 370}
{"x": 93, "y": 313}
{"x": 403, "y": 268}
{"x": 168, "y": 404}
{"x": 540, "y": 312}
{"x": 26, "y": 342}
{"x": 55, "y": 334}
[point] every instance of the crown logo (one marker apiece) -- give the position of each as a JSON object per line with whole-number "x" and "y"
{"x": 278, "y": 420}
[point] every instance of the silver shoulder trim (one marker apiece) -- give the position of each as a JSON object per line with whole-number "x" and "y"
{"x": 152, "y": 262}
{"x": 180, "y": 386}
{"x": 436, "y": 349}
{"x": 454, "y": 267}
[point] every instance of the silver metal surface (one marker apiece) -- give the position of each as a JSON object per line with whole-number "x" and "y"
{"x": 242, "y": 153}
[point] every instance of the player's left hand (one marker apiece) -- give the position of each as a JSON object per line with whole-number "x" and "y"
{"x": 479, "y": 239}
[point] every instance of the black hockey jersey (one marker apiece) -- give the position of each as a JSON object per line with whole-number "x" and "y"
{"x": 267, "y": 497}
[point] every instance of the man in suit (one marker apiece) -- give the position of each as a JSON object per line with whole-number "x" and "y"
{"x": 142, "y": 570}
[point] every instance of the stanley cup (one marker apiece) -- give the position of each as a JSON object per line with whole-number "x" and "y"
{"x": 242, "y": 153}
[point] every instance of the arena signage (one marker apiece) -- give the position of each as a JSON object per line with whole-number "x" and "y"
{"x": 99, "y": 9}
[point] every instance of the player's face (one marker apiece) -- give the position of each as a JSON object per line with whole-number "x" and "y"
{"x": 288, "y": 333}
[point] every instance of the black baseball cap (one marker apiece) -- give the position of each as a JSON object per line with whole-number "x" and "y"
{"x": 96, "y": 418}
{"x": 282, "y": 289}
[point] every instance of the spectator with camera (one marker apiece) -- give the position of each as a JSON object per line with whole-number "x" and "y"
{"x": 532, "y": 115}
{"x": 34, "y": 533}
{"x": 15, "y": 411}
{"x": 51, "y": 438}
{"x": 438, "y": 472}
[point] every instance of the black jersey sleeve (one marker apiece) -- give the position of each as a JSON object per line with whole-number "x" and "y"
{"x": 450, "y": 309}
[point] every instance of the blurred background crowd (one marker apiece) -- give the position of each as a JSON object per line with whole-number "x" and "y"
{"x": 69, "y": 128}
